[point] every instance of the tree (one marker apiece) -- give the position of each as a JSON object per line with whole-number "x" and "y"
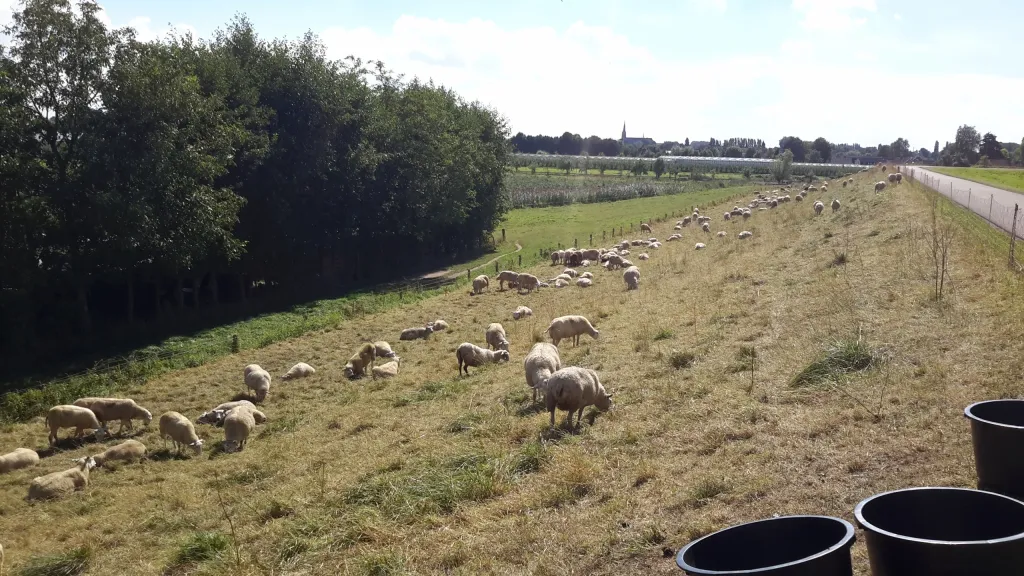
{"x": 1004, "y": 153}
{"x": 990, "y": 145}
{"x": 733, "y": 152}
{"x": 794, "y": 145}
{"x": 687, "y": 142}
{"x": 639, "y": 168}
{"x": 935, "y": 153}
{"x": 814, "y": 156}
{"x": 900, "y": 148}
{"x": 967, "y": 140}
{"x": 824, "y": 149}
{"x": 659, "y": 167}
{"x": 783, "y": 166}
{"x": 885, "y": 151}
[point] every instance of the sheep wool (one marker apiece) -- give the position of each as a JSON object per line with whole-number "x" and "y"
{"x": 469, "y": 354}
{"x": 540, "y": 363}
{"x": 571, "y": 326}
{"x": 57, "y": 484}
{"x": 494, "y": 335}
{"x": 300, "y": 370}
{"x": 18, "y": 459}
{"x": 180, "y": 430}
{"x": 572, "y": 389}
{"x": 71, "y": 416}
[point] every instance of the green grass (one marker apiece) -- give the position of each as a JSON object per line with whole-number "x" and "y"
{"x": 841, "y": 357}
{"x": 200, "y": 547}
{"x": 1005, "y": 178}
{"x": 614, "y": 173}
{"x": 67, "y": 564}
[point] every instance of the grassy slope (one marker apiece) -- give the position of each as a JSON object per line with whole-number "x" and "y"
{"x": 430, "y": 472}
{"x": 1006, "y": 179}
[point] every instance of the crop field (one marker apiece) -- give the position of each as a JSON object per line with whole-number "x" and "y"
{"x": 796, "y": 372}
{"x": 1004, "y": 178}
{"x": 539, "y": 190}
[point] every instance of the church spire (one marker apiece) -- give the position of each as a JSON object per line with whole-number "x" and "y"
{"x": 623, "y": 130}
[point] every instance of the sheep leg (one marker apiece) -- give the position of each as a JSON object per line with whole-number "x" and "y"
{"x": 579, "y": 418}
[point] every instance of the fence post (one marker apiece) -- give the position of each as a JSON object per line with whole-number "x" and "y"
{"x": 469, "y": 273}
{"x": 495, "y": 266}
{"x": 520, "y": 260}
{"x": 991, "y": 197}
{"x": 603, "y": 232}
{"x": 502, "y": 234}
{"x": 591, "y": 239}
{"x": 968, "y": 198}
{"x": 575, "y": 243}
{"x": 1013, "y": 237}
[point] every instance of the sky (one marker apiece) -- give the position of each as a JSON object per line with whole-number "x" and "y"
{"x": 865, "y": 71}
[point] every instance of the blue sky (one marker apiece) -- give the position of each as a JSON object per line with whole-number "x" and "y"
{"x": 865, "y": 71}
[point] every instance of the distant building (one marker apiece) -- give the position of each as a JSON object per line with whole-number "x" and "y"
{"x": 638, "y": 142}
{"x": 699, "y": 144}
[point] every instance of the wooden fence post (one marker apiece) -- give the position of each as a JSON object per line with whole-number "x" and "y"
{"x": 575, "y": 243}
{"x": 520, "y": 260}
{"x": 591, "y": 239}
{"x": 469, "y": 273}
{"x": 991, "y": 198}
{"x": 502, "y": 234}
{"x": 495, "y": 266}
{"x": 1013, "y": 237}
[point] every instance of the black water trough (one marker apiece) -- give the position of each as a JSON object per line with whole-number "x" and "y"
{"x": 784, "y": 546}
{"x": 943, "y": 532}
{"x": 997, "y": 431}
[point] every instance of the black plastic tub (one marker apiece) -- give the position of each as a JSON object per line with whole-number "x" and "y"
{"x": 997, "y": 431}
{"x": 943, "y": 532}
{"x": 784, "y": 546}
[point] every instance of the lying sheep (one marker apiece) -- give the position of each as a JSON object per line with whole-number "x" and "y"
{"x": 363, "y": 357}
{"x": 57, "y": 484}
{"x": 479, "y": 284}
{"x": 562, "y": 277}
{"x": 542, "y": 361}
{"x": 699, "y": 246}
{"x": 127, "y": 451}
{"x": 745, "y": 234}
{"x": 238, "y": 425}
{"x": 572, "y": 389}
{"x": 587, "y": 275}
{"x": 111, "y": 409}
{"x": 383, "y": 349}
{"x": 632, "y": 278}
{"x": 70, "y": 416}
{"x": 388, "y": 369}
{"x": 570, "y": 273}
{"x": 879, "y": 186}
{"x": 835, "y": 204}
{"x": 571, "y": 326}
{"x": 506, "y": 276}
{"x": 300, "y": 370}
{"x": 258, "y": 380}
{"x": 559, "y": 283}
{"x": 494, "y": 335}
{"x": 674, "y": 237}
{"x": 626, "y": 263}
{"x": 181, "y": 432}
{"x": 472, "y": 355}
{"x": 643, "y": 256}
{"x": 818, "y": 207}
{"x": 438, "y": 325}
{"x": 528, "y": 282}
{"x": 624, "y": 245}
{"x": 18, "y": 459}
{"x": 216, "y": 416}
{"x": 522, "y": 312}
{"x": 721, "y": 234}
{"x": 584, "y": 282}
{"x": 416, "y": 333}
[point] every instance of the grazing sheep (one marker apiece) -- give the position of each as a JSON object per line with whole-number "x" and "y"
{"x": 574, "y": 258}
{"x": 57, "y": 484}
{"x": 745, "y": 234}
{"x": 591, "y": 254}
{"x": 364, "y": 356}
{"x": 480, "y": 283}
{"x": 643, "y": 256}
{"x": 472, "y": 355}
{"x": 845, "y": 182}
{"x": 645, "y": 227}
{"x": 879, "y": 186}
{"x": 127, "y": 451}
{"x": 727, "y": 215}
{"x": 416, "y": 333}
{"x": 570, "y": 273}
{"x": 300, "y": 370}
{"x": 494, "y": 335}
{"x": 572, "y": 389}
{"x": 556, "y": 257}
{"x": 181, "y": 432}
{"x": 528, "y": 282}
{"x": 238, "y": 424}
{"x": 110, "y": 409}
{"x": 685, "y": 221}
{"x": 799, "y": 198}
{"x": 584, "y": 282}
{"x": 70, "y": 416}
{"x": 438, "y": 325}
{"x": 522, "y": 312}
{"x": 706, "y": 227}
{"x": 383, "y": 349}
{"x": 18, "y": 459}
{"x": 388, "y": 369}
{"x": 722, "y": 234}
{"x": 835, "y": 205}
{"x": 571, "y": 326}
{"x": 507, "y": 276}
{"x": 818, "y": 207}
{"x": 883, "y": 167}
{"x": 258, "y": 381}
{"x": 899, "y": 178}
{"x": 632, "y": 278}
{"x": 773, "y": 203}
{"x": 892, "y": 178}
{"x": 746, "y": 214}
{"x": 542, "y": 361}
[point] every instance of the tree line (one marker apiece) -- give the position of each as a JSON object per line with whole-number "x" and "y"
{"x": 970, "y": 148}
{"x": 143, "y": 182}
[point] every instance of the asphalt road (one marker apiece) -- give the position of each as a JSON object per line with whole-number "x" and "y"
{"x": 993, "y": 204}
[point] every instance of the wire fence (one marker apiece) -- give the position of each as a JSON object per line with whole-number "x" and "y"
{"x": 984, "y": 205}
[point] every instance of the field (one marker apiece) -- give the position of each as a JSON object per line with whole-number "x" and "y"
{"x": 858, "y": 384}
{"x": 1006, "y": 179}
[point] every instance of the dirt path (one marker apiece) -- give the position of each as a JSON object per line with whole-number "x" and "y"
{"x": 449, "y": 272}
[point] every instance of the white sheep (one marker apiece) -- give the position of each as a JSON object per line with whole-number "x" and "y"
{"x": 494, "y": 335}
{"x": 111, "y": 409}
{"x": 570, "y": 273}
{"x": 562, "y": 277}
{"x": 258, "y": 380}
{"x": 655, "y": 245}
{"x": 818, "y": 207}
{"x": 238, "y": 424}
{"x": 300, "y": 370}
{"x": 480, "y": 283}
{"x": 643, "y": 256}
{"x": 835, "y": 204}
{"x": 388, "y": 369}
{"x": 469, "y": 354}
{"x": 127, "y": 451}
{"x": 699, "y": 246}
{"x": 899, "y": 178}
{"x": 542, "y": 361}
{"x": 216, "y": 416}
{"x": 626, "y": 263}
{"x": 727, "y": 215}
{"x": 673, "y": 237}
{"x": 892, "y": 178}
{"x": 70, "y": 416}
{"x": 181, "y": 432}
{"x": 722, "y": 234}
{"x": 522, "y": 312}
{"x": 879, "y": 186}
{"x": 384, "y": 350}
{"x": 18, "y": 459}
{"x": 363, "y": 357}
{"x": 438, "y": 325}
{"x": 584, "y": 282}
{"x": 587, "y": 275}
{"x": 745, "y": 234}
{"x": 416, "y": 333}
{"x": 507, "y": 276}
{"x": 528, "y": 282}
{"x": 632, "y": 278}
{"x": 572, "y": 389}
{"x": 571, "y": 326}
{"x": 57, "y": 484}
{"x": 706, "y": 227}
{"x": 559, "y": 283}
{"x": 645, "y": 227}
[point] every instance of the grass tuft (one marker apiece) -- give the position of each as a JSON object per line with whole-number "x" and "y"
{"x": 841, "y": 357}
{"x": 838, "y": 260}
{"x": 663, "y": 334}
{"x": 201, "y": 547}
{"x": 69, "y": 563}
{"x": 680, "y": 360}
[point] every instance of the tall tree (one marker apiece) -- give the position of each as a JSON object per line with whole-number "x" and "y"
{"x": 824, "y": 149}
{"x": 935, "y": 153}
{"x": 794, "y": 145}
{"x": 967, "y": 140}
{"x": 900, "y": 148}
{"x": 990, "y": 145}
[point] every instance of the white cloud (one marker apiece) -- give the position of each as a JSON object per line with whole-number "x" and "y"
{"x": 897, "y": 16}
{"x": 145, "y": 32}
{"x": 831, "y": 15}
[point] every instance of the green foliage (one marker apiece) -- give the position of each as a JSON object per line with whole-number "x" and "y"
{"x": 659, "y": 167}
{"x": 70, "y": 563}
{"x": 200, "y": 547}
{"x": 782, "y": 168}
{"x": 841, "y": 357}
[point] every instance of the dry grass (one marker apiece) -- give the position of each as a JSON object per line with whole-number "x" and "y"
{"x": 431, "y": 473}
